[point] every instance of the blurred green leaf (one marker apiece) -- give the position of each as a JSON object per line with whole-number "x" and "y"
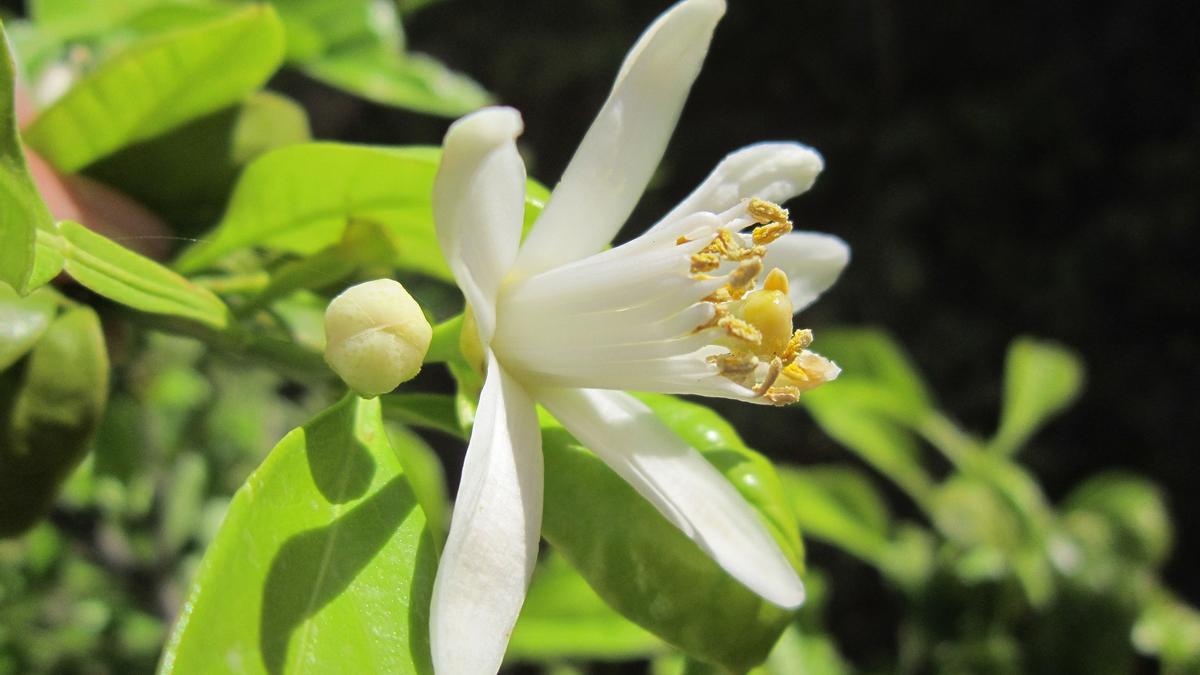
{"x": 884, "y": 445}
{"x": 1133, "y": 508}
{"x": 412, "y": 81}
{"x": 563, "y": 618}
{"x": 800, "y": 652}
{"x": 183, "y": 502}
{"x": 324, "y": 561}
{"x": 647, "y": 569}
{"x": 317, "y": 27}
{"x": 839, "y": 505}
{"x": 1040, "y": 380}
{"x": 23, "y": 321}
{"x": 877, "y": 376}
{"x": 157, "y": 85}
{"x": 22, "y": 211}
{"x": 49, "y": 410}
{"x": 186, "y": 174}
{"x": 1170, "y": 630}
{"x": 72, "y": 18}
{"x": 134, "y": 280}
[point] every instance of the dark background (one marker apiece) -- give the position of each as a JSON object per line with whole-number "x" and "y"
{"x": 998, "y": 169}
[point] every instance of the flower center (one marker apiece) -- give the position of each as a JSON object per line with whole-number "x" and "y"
{"x": 764, "y": 353}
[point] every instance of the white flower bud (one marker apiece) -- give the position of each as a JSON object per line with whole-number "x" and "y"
{"x": 375, "y": 336}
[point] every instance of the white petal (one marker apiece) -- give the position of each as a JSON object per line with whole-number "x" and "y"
{"x": 684, "y": 487}
{"x": 622, "y": 148}
{"x": 478, "y": 206}
{"x": 812, "y": 261}
{"x": 493, "y": 543}
{"x": 772, "y": 171}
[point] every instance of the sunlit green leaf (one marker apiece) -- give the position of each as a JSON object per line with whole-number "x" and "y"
{"x": 839, "y": 505}
{"x": 424, "y": 472}
{"x": 158, "y": 85}
{"x": 1040, "y": 380}
{"x": 324, "y": 562}
{"x": 21, "y": 209}
{"x": 412, "y": 81}
{"x": 1170, "y": 629}
{"x": 563, "y": 618}
{"x": 50, "y": 405}
{"x": 301, "y": 198}
{"x": 800, "y": 652}
{"x": 645, "y": 567}
{"x": 134, "y": 280}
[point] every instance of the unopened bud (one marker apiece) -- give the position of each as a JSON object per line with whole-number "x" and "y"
{"x": 375, "y": 336}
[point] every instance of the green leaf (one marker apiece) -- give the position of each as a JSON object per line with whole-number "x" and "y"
{"x": 301, "y": 198}
{"x": 22, "y": 211}
{"x": 1170, "y": 629}
{"x": 412, "y": 81}
{"x": 159, "y": 84}
{"x": 324, "y": 562}
{"x": 563, "y": 618}
{"x": 800, "y": 652}
{"x": 646, "y": 568}
{"x": 1040, "y": 380}
{"x": 318, "y": 27}
{"x": 50, "y": 409}
{"x": 187, "y": 174}
{"x": 1134, "y": 511}
{"x": 134, "y": 280}
{"x": 839, "y": 505}
{"x": 67, "y": 19}
{"x": 23, "y": 321}
{"x": 884, "y": 445}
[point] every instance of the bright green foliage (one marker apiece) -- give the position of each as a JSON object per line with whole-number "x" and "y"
{"x": 50, "y": 406}
{"x": 1040, "y": 380}
{"x": 563, "y": 618}
{"x": 324, "y": 558}
{"x": 158, "y": 85}
{"x": 21, "y": 209}
{"x": 134, "y": 280}
{"x": 645, "y": 567}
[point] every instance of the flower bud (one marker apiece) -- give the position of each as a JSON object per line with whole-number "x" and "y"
{"x": 375, "y": 336}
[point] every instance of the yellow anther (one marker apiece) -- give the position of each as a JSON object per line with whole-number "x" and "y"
{"x": 776, "y": 281}
{"x": 763, "y": 212}
{"x": 736, "y": 363}
{"x": 808, "y": 371}
{"x": 784, "y": 395}
{"x": 795, "y": 372}
{"x": 800, "y": 341}
{"x": 768, "y": 233}
{"x": 681, "y": 240}
{"x": 705, "y": 262}
{"x": 745, "y": 274}
{"x": 735, "y": 327}
{"x": 721, "y": 295}
{"x": 770, "y": 311}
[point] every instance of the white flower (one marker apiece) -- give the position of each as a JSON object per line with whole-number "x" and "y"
{"x": 566, "y": 323}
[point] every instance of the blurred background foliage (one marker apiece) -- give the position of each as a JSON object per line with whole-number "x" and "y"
{"x": 998, "y": 169}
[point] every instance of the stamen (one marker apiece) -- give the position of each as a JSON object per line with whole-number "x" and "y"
{"x": 763, "y": 211}
{"x": 772, "y": 374}
{"x": 735, "y": 327}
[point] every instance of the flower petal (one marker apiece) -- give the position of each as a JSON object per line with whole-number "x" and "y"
{"x": 493, "y": 543}
{"x": 772, "y": 171}
{"x": 478, "y": 205}
{"x": 812, "y": 261}
{"x": 622, "y": 148}
{"x": 684, "y": 487}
